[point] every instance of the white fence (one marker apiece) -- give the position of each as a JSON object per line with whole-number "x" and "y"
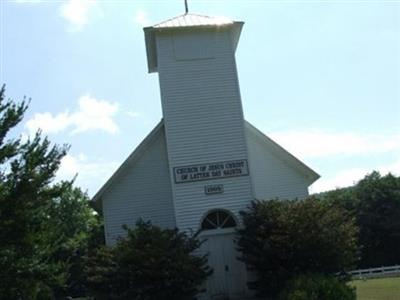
{"x": 376, "y": 272}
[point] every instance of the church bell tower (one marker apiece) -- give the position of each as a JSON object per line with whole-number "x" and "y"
{"x": 194, "y": 57}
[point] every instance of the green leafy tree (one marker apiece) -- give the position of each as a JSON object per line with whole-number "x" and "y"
{"x": 74, "y": 229}
{"x": 281, "y": 239}
{"x": 378, "y": 216}
{"x": 150, "y": 263}
{"x": 375, "y": 203}
{"x": 26, "y": 171}
{"x": 342, "y": 197}
{"x": 46, "y": 229}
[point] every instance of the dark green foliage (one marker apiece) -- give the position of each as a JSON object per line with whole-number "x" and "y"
{"x": 375, "y": 202}
{"x": 45, "y": 228}
{"x": 26, "y": 170}
{"x": 281, "y": 239}
{"x": 150, "y": 263}
{"x": 101, "y": 270}
{"x": 343, "y": 197}
{"x": 317, "y": 287}
{"x": 73, "y": 230}
{"x": 378, "y": 216}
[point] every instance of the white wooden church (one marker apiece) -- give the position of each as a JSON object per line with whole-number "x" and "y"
{"x": 202, "y": 163}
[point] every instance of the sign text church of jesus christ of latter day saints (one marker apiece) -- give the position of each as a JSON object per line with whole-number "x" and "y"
{"x": 211, "y": 171}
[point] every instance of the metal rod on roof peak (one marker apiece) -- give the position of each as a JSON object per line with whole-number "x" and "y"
{"x": 186, "y": 7}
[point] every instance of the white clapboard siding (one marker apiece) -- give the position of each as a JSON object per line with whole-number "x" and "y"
{"x": 273, "y": 176}
{"x": 203, "y": 117}
{"x": 143, "y": 190}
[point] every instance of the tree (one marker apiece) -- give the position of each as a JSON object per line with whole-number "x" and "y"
{"x": 378, "y": 216}
{"x": 74, "y": 229}
{"x": 375, "y": 203}
{"x": 341, "y": 197}
{"x": 46, "y": 229}
{"x": 281, "y": 239}
{"x": 150, "y": 263}
{"x": 27, "y": 169}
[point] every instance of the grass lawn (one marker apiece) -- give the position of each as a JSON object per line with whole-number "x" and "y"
{"x": 378, "y": 289}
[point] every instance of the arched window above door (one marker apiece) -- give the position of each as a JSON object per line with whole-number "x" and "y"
{"x": 218, "y": 219}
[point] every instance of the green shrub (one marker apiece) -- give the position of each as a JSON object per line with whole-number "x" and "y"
{"x": 317, "y": 287}
{"x": 281, "y": 239}
{"x": 150, "y": 263}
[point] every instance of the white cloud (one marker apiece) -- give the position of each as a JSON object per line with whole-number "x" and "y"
{"x": 317, "y": 143}
{"x": 141, "y": 17}
{"x": 48, "y": 123}
{"x": 93, "y": 114}
{"x": 69, "y": 167}
{"x": 351, "y": 176}
{"x": 77, "y": 12}
{"x": 90, "y": 171}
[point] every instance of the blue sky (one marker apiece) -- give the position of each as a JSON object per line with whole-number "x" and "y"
{"x": 322, "y": 78}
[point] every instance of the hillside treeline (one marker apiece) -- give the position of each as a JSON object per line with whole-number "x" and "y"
{"x": 375, "y": 203}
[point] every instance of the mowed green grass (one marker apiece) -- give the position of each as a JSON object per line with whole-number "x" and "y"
{"x": 378, "y": 289}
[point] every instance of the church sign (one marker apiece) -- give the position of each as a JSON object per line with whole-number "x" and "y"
{"x": 210, "y": 171}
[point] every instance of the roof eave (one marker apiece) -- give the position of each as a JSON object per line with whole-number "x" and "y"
{"x": 151, "y": 49}
{"x": 308, "y": 173}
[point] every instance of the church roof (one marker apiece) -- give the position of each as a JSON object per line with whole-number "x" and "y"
{"x": 190, "y": 20}
{"x": 283, "y": 154}
{"x": 268, "y": 143}
{"x": 132, "y": 158}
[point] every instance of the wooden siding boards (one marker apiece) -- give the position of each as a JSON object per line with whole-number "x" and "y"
{"x": 141, "y": 190}
{"x": 272, "y": 176}
{"x": 203, "y": 121}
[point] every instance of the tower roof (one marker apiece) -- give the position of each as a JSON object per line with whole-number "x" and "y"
{"x": 186, "y": 21}
{"x": 192, "y": 20}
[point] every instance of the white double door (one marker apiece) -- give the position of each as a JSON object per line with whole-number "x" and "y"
{"x": 228, "y": 280}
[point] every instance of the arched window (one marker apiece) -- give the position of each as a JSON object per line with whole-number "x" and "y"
{"x": 218, "y": 219}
